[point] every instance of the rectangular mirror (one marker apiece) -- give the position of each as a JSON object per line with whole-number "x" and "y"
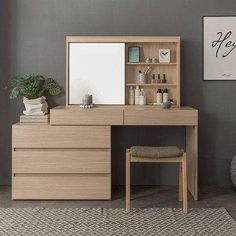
{"x": 97, "y": 69}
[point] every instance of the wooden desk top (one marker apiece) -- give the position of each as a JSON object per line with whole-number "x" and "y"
{"x": 124, "y": 107}
{"x": 123, "y": 115}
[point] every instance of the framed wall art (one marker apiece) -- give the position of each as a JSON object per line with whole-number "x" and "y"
{"x": 133, "y": 54}
{"x": 219, "y": 48}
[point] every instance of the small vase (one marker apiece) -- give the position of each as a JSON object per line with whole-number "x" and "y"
{"x": 35, "y": 107}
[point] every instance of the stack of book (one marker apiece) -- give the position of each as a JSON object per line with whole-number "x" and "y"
{"x": 34, "y": 119}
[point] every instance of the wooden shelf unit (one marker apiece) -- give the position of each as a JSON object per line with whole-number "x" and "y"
{"x": 150, "y": 49}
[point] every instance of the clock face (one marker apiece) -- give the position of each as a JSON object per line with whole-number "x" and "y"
{"x": 164, "y": 55}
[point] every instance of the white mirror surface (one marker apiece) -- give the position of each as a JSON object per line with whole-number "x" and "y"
{"x": 97, "y": 69}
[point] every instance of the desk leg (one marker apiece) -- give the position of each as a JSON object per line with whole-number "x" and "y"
{"x": 192, "y": 159}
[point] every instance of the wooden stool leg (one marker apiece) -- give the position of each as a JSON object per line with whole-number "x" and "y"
{"x": 180, "y": 182}
{"x": 185, "y": 187}
{"x": 128, "y": 181}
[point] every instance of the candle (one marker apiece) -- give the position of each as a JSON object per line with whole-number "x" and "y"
{"x": 87, "y": 99}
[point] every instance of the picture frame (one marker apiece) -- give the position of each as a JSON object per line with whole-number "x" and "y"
{"x": 219, "y": 48}
{"x": 134, "y": 54}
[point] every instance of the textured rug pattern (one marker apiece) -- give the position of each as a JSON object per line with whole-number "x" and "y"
{"x": 107, "y": 222}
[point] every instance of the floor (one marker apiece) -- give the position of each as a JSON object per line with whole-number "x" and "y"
{"x": 148, "y": 196}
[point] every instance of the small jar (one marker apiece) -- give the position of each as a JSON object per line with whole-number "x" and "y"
{"x": 87, "y": 99}
{"x": 154, "y": 60}
{"x": 148, "y": 60}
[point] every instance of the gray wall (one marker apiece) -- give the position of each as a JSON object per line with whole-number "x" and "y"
{"x": 39, "y": 28}
{"x": 5, "y": 121}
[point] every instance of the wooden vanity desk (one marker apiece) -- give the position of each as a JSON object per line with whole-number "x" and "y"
{"x": 70, "y": 158}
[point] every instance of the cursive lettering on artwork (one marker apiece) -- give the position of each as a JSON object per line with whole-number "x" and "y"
{"x": 224, "y": 46}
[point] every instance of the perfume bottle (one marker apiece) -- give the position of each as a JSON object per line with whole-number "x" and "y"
{"x": 164, "y": 79}
{"x": 158, "y": 78}
{"x": 153, "y": 79}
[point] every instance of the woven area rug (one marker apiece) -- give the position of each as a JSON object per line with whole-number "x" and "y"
{"x": 149, "y": 221}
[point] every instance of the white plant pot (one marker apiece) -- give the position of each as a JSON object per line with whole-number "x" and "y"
{"x": 35, "y": 107}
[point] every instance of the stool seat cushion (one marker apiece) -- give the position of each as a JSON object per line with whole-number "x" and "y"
{"x": 156, "y": 152}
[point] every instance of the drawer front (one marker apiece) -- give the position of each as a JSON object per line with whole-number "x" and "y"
{"x": 61, "y": 187}
{"x": 77, "y": 116}
{"x": 62, "y": 161}
{"x": 161, "y": 117}
{"x": 46, "y": 136}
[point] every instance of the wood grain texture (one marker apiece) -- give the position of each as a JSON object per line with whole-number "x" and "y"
{"x": 171, "y": 70}
{"x": 161, "y": 117}
{"x": 192, "y": 159}
{"x": 46, "y": 136}
{"x": 61, "y": 186}
{"x": 86, "y": 116}
{"x": 185, "y": 185}
{"x": 183, "y": 189}
{"x": 180, "y": 182}
{"x": 122, "y": 39}
{"x": 61, "y": 161}
{"x": 127, "y": 182}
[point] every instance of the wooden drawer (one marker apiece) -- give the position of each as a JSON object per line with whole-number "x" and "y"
{"x": 46, "y": 136}
{"x": 61, "y": 186}
{"x": 160, "y": 117}
{"x": 78, "y": 116}
{"x": 61, "y": 161}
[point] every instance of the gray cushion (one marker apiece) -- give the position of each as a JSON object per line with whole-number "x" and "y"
{"x": 155, "y": 152}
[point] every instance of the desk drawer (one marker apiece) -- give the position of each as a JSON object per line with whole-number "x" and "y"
{"x": 61, "y": 186}
{"x": 61, "y": 161}
{"x": 160, "y": 117}
{"x": 46, "y": 136}
{"x": 95, "y": 116}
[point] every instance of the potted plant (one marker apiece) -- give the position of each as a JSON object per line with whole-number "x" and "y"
{"x": 33, "y": 89}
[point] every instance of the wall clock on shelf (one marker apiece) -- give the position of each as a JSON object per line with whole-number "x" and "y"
{"x": 164, "y": 55}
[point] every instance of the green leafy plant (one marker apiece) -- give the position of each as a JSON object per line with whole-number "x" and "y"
{"x": 33, "y": 86}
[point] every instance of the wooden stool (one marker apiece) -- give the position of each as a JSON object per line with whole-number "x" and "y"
{"x": 163, "y": 155}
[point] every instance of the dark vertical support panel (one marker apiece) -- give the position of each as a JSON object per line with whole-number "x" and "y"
{"x": 5, "y": 121}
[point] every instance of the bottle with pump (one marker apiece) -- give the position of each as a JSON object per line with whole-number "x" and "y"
{"x": 165, "y": 95}
{"x": 159, "y": 97}
{"x": 136, "y": 95}
{"x": 142, "y": 97}
{"x": 131, "y": 96}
